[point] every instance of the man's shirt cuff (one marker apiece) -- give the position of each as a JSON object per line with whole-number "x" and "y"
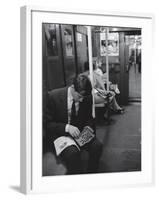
{"x": 67, "y": 128}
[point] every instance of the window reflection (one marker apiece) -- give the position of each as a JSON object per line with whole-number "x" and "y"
{"x": 50, "y": 33}
{"x": 68, "y": 42}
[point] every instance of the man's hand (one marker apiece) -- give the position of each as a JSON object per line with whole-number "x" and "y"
{"x": 73, "y": 131}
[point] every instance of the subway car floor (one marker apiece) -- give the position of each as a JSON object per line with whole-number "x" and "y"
{"x": 121, "y": 141}
{"x": 121, "y": 144}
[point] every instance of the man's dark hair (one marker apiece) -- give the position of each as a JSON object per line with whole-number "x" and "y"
{"x": 82, "y": 84}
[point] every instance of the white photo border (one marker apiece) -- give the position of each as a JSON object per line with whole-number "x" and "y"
{"x": 31, "y": 100}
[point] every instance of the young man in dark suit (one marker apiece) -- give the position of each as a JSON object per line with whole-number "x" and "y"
{"x": 64, "y": 126}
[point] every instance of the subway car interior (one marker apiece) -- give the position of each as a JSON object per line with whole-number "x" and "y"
{"x": 65, "y": 50}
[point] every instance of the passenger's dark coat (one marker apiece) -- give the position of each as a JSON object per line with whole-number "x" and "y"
{"x": 57, "y": 116}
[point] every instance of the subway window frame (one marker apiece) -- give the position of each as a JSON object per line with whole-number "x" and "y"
{"x": 84, "y": 77}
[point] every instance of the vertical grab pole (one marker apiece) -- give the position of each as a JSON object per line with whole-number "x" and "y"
{"x": 107, "y": 57}
{"x": 107, "y": 70}
{"x": 135, "y": 56}
{"x": 91, "y": 64}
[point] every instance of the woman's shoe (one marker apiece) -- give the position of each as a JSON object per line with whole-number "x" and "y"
{"x": 120, "y": 111}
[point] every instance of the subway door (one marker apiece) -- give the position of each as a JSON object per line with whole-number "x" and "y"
{"x": 53, "y": 75}
{"x": 81, "y": 47}
{"x": 68, "y": 51}
{"x": 127, "y": 70}
{"x": 124, "y": 75}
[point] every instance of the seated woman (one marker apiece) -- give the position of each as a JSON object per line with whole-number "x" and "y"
{"x": 100, "y": 93}
{"x": 98, "y": 70}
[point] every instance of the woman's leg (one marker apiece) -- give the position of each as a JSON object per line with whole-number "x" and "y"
{"x": 115, "y": 107}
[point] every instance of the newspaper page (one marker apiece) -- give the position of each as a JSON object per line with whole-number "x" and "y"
{"x": 62, "y": 143}
{"x": 85, "y": 137}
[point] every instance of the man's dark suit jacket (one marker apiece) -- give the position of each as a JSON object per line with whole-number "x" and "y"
{"x": 57, "y": 114}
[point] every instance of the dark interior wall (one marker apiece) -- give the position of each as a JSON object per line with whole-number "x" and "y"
{"x": 52, "y": 60}
{"x": 63, "y": 61}
{"x": 95, "y": 42}
{"x": 55, "y": 73}
{"x": 44, "y": 60}
{"x": 68, "y": 49}
{"x": 124, "y": 84}
{"x": 81, "y": 47}
{"x": 59, "y": 69}
{"x": 59, "y": 63}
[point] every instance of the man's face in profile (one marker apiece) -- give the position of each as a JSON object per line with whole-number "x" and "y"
{"x": 78, "y": 96}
